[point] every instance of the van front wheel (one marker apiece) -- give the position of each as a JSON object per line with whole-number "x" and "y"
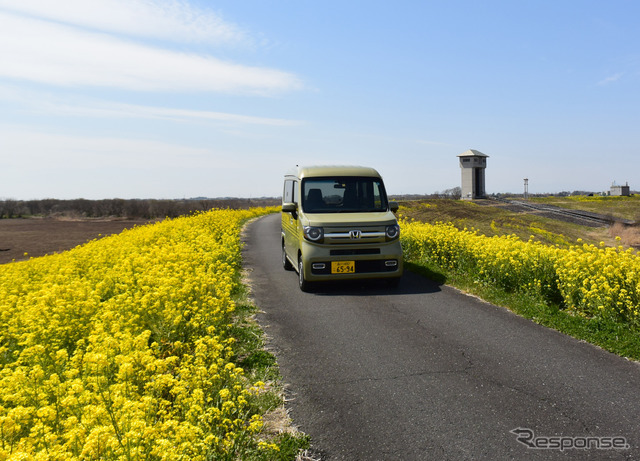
{"x": 302, "y": 282}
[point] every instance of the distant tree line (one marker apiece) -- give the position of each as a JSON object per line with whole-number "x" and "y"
{"x": 123, "y": 208}
{"x": 453, "y": 193}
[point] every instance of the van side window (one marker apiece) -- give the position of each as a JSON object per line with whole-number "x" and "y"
{"x": 289, "y": 194}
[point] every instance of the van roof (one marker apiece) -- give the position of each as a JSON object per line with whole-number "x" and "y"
{"x": 333, "y": 170}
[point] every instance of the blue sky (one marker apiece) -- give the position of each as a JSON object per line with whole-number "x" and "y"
{"x": 175, "y": 99}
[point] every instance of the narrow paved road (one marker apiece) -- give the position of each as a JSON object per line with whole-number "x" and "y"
{"x": 425, "y": 372}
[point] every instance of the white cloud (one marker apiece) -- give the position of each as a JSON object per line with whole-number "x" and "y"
{"x": 55, "y": 54}
{"x": 180, "y": 115}
{"x": 610, "y": 79}
{"x": 46, "y": 104}
{"x": 164, "y": 19}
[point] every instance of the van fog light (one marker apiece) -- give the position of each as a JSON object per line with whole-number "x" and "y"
{"x": 318, "y": 266}
{"x": 391, "y": 263}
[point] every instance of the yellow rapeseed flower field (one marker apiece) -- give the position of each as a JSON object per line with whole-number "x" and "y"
{"x": 120, "y": 348}
{"x": 591, "y": 281}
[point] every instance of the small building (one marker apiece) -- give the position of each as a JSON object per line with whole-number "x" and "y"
{"x": 473, "y": 164}
{"x": 619, "y": 190}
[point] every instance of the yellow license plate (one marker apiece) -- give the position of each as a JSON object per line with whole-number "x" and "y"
{"x": 343, "y": 267}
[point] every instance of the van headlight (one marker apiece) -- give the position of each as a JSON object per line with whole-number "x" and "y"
{"x": 314, "y": 234}
{"x": 392, "y": 232}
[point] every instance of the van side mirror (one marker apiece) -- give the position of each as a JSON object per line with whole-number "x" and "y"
{"x": 289, "y": 207}
{"x": 393, "y": 206}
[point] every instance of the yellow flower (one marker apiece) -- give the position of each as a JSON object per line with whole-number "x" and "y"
{"x": 118, "y": 348}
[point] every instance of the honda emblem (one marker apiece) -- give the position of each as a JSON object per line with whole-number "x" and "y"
{"x": 355, "y": 234}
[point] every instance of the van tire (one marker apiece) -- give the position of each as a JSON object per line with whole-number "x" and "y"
{"x": 285, "y": 261}
{"x": 302, "y": 282}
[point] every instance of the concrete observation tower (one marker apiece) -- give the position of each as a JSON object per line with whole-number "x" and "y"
{"x": 473, "y": 164}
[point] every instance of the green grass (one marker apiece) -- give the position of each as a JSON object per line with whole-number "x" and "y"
{"x": 619, "y": 207}
{"x": 618, "y": 338}
{"x": 261, "y": 365}
{"x": 492, "y": 218}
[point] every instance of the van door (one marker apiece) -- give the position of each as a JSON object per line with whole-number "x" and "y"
{"x": 290, "y": 219}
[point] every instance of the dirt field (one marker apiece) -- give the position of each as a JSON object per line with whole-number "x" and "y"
{"x": 38, "y": 237}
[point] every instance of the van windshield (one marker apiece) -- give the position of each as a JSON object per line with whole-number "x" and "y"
{"x": 343, "y": 194}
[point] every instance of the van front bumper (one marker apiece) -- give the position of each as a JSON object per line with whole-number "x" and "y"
{"x": 382, "y": 260}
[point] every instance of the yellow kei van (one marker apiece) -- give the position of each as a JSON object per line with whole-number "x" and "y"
{"x": 338, "y": 224}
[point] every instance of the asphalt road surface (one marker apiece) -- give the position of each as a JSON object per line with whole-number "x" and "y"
{"x": 424, "y": 372}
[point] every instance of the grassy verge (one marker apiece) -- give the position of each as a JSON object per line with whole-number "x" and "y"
{"x": 618, "y": 338}
{"x": 261, "y": 365}
{"x": 551, "y": 272}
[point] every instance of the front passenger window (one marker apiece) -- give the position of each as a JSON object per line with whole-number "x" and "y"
{"x": 288, "y": 195}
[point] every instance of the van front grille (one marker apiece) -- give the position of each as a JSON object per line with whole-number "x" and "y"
{"x": 352, "y": 252}
{"x": 354, "y": 235}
